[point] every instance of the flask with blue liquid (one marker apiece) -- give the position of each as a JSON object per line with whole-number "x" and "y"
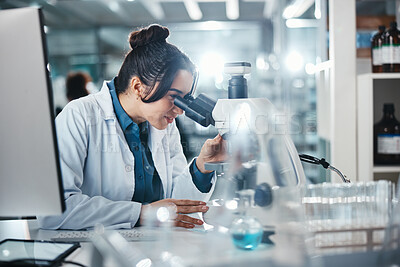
{"x": 246, "y": 231}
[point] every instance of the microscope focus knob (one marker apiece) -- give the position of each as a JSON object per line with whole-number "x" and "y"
{"x": 263, "y": 195}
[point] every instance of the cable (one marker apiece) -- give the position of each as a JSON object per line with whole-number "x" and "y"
{"x": 324, "y": 163}
{"x": 37, "y": 262}
{"x": 314, "y": 160}
{"x": 74, "y": 263}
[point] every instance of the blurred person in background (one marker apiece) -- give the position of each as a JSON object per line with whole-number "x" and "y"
{"x": 76, "y": 86}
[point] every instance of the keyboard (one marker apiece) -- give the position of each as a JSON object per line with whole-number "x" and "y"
{"x": 85, "y": 236}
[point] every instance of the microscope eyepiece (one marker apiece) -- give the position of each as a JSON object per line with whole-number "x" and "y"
{"x": 198, "y": 109}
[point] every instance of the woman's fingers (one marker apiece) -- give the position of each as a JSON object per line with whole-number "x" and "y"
{"x": 186, "y": 202}
{"x": 187, "y": 221}
{"x": 183, "y": 224}
{"x": 182, "y": 207}
{"x": 189, "y": 206}
{"x": 191, "y": 209}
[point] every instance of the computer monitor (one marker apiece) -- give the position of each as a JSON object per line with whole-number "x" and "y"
{"x": 30, "y": 177}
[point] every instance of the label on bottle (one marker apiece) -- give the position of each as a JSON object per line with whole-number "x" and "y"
{"x": 391, "y": 54}
{"x": 388, "y": 144}
{"x": 386, "y": 54}
{"x": 377, "y": 56}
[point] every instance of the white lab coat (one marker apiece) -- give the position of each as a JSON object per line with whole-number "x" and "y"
{"x": 97, "y": 166}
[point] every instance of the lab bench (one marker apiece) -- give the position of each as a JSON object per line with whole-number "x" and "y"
{"x": 202, "y": 248}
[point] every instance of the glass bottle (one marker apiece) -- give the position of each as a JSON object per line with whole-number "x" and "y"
{"x": 376, "y": 49}
{"x": 246, "y": 231}
{"x": 390, "y": 49}
{"x": 387, "y": 138}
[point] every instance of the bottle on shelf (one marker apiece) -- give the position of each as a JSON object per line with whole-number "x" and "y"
{"x": 376, "y": 49}
{"x": 387, "y": 138}
{"x": 391, "y": 49}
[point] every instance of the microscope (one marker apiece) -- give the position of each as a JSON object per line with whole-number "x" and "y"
{"x": 262, "y": 157}
{"x": 260, "y": 150}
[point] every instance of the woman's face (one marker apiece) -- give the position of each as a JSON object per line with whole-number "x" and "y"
{"x": 162, "y": 112}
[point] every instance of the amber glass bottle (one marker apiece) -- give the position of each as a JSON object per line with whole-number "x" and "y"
{"x": 376, "y": 49}
{"x": 387, "y": 138}
{"x": 391, "y": 49}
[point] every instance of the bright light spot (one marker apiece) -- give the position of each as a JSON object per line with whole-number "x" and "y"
{"x": 310, "y": 68}
{"x": 223, "y": 229}
{"x": 232, "y": 9}
{"x": 144, "y": 263}
{"x": 293, "y": 23}
{"x": 131, "y": 0}
{"x": 212, "y": 64}
{"x": 6, "y": 252}
{"x": 294, "y": 61}
{"x": 300, "y": 23}
{"x": 114, "y": 6}
{"x": 165, "y": 256}
{"x": 289, "y": 12}
{"x": 163, "y": 214}
{"x": 298, "y": 83}
{"x": 193, "y": 10}
{"x": 317, "y": 13}
{"x": 211, "y": 25}
{"x": 231, "y": 204}
{"x": 46, "y": 29}
{"x": 261, "y": 63}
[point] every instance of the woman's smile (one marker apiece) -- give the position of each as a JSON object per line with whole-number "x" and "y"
{"x": 169, "y": 119}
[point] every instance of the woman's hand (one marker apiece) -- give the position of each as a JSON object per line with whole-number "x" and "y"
{"x": 182, "y": 207}
{"x": 213, "y": 150}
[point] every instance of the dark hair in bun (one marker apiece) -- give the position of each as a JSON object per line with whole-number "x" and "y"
{"x": 153, "y": 33}
{"x": 153, "y": 60}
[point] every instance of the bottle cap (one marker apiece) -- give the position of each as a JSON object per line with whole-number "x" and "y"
{"x": 388, "y": 107}
{"x": 382, "y": 28}
{"x": 393, "y": 24}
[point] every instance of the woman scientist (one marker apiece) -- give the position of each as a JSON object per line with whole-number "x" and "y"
{"x": 120, "y": 150}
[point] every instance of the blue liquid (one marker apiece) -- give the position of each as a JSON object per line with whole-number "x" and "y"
{"x": 247, "y": 240}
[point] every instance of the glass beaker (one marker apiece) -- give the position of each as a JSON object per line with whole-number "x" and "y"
{"x": 246, "y": 231}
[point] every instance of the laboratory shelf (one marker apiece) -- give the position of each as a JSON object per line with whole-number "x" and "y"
{"x": 386, "y": 169}
{"x": 382, "y": 75}
{"x": 373, "y": 90}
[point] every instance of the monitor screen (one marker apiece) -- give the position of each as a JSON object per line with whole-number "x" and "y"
{"x": 30, "y": 177}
